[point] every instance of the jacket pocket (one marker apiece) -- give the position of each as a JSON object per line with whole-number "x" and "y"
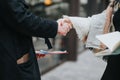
{"x": 26, "y": 70}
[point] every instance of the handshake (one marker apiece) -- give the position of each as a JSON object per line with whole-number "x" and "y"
{"x": 64, "y": 26}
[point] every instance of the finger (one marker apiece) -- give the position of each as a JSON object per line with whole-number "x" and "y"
{"x": 70, "y": 26}
{"x": 63, "y": 31}
{"x": 40, "y": 55}
{"x": 60, "y": 22}
{"x": 66, "y": 20}
{"x": 66, "y": 27}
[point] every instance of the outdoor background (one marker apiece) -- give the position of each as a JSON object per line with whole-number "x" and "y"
{"x": 54, "y": 9}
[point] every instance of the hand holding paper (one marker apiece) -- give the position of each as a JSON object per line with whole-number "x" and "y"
{"x": 112, "y": 41}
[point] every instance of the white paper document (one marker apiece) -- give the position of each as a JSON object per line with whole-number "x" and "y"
{"x": 112, "y": 41}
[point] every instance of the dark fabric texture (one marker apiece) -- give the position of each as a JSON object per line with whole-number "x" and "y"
{"x": 112, "y": 71}
{"x": 17, "y": 27}
{"x": 117, "y": 0}
{"x": 116, "y": 20}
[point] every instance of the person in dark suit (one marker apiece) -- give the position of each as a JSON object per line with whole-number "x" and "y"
{"x": 17, "y": 26}
{"x": 112, "y": 71}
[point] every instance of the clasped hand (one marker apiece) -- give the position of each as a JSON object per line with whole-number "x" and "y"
{"x": 64, "y": 26}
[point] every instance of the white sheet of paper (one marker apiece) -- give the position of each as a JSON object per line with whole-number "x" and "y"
{"x": 111, "y": 40}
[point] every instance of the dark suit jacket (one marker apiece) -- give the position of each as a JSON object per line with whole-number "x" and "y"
{"x": 17, "y": 26}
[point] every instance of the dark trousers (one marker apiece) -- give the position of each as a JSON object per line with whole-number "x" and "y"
{"x": 112, "y": 71}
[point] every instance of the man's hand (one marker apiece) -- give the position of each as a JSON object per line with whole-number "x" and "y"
{"x": 63, "y": 27}
{"x": 38, "y": 55}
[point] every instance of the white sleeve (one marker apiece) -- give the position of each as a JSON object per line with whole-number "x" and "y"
{"x": 97, "y": 24}
{"x": 81, "y": 25}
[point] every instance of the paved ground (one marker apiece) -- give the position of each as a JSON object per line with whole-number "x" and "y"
{"x": 87, "y": 67}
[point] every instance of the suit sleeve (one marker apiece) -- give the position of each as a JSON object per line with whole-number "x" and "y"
{"x": 15, "y": 13}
